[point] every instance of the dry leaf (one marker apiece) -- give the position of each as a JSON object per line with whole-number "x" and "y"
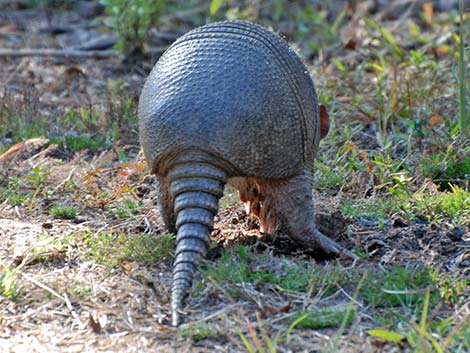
{"x": 324, "y": 121}
{"x": 94, "y": 325}
{"x": 436, "y": 119}
{"x": 428, "y": 13}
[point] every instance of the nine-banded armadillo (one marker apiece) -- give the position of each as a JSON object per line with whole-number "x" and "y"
{"x": 230, "y": 102}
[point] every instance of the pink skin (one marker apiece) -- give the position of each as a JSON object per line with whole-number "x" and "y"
{"x": 286, "y": 204}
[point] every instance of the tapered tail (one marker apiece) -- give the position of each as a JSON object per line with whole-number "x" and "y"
{"x": 196, "y": 188}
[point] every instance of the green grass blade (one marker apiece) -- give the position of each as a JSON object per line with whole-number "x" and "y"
{"x": 462, "y": 75}
{"x": 247, "y": 343}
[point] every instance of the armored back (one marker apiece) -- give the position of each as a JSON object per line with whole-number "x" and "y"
{"x": 237, "y": 92}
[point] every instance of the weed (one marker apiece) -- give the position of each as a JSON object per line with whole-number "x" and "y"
{"x": 452, "y": 290}
{"x": 12, "y": 192}
{"x": 132, "y": 20}
{"x": 127, "y": 208}
{"x": 9, "y": 286}
{"x": 447, "y": 168}
{"x": 322, "y": 318}
{"x": 463, "y": 74}
{"x": 333, "y": 172}
{"x": 241, "y": 265}
{"x": 399, "y": 286}
{"x": 377, "y": 209}
{"x": 310, "y": 20}
{"x": 329, "y": 176}
{"x": 21, "y": 189}
{"x": 63, "y": 212}
{"x": 81, "y": 142}
{"x": 262, "y": 343}
{"x": 426, "y": 336}
{"x": 79, "y": 288}
{"x": 111, "y": 249}
{"x": 199, "y": 331}
{"x": 453, "y": 204}
{"x": 122, "y": 116}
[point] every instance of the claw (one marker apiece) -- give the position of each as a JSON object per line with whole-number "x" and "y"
{"x": 331, "y": 247}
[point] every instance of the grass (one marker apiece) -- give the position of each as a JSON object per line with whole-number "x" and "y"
{"x": 199, "y": 331}
{"x": 242, "y": 265}
{"x": 63, "y": 212}
{"x": 114, "y": 249}
{"x": 405, "y": 293}
{"x": 10, "y": 285}
{"x": 77, "y": 128}
{"x": 463, "y": 70}
{"x": 25, "y": 189}
{"x": 451, "y": 205}
{"x": 322, "y": 318}
{"x": 399, "y": 287}
{"x": 127, "y": 208}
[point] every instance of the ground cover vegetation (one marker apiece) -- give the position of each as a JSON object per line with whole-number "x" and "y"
{"x": 85, "y": 264}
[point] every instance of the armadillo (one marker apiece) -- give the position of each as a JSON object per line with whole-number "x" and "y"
{"x": 230, "y": 102}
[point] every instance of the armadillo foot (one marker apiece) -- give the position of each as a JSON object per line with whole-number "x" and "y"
{"x": 318, "y": 241}
{"x": 288, "y": 204}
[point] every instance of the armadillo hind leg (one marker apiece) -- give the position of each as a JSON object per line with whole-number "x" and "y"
{"x": 196, "y": 188}
{"x": 166, "y": 203}
{"x": 292, "y": 203}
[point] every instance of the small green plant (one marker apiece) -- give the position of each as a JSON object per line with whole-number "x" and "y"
{"x": 463, "y": 71}
{"x": 63, "y": 212}
{"x": 9, "y": 286}
{"x": 131, "y": 21}
{"x": 81, "y": 142}
{"x": 323, "y": 318}
{"x": 38, "y": 179}
{"x": 429, "y": 335}
{"x": 127, "y": 208}
{"x": 199, "y": 331}
{"x": 378, "y": 209}
{"x": 79, "y": 288}
{"x": 122, "y": 116}
{"x": 12, "y": 193}
{"x": 241, "y": 264}
{"x": 85, "y": 128}
{"x": 262, "y": 342}
{"x": 234, "y": 267}
{"x": 399, "y": 286}
{"x": 448, "y": 165}
{"x": 453, "y": 204}
{"x": 112, "y": 248}
{"x": 25, "y": 188}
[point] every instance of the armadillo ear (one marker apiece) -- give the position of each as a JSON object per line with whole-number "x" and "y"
{"x": 324, "y": 121}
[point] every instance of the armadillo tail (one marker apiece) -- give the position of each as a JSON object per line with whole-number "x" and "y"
{"x": 197, "y": 188}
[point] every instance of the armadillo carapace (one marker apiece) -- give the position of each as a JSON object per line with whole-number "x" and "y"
{"x": 230, "y": 102}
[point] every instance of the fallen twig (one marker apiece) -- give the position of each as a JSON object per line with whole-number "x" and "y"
{"x": 59, "y": 53}
{"x": 63, "y": 298}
